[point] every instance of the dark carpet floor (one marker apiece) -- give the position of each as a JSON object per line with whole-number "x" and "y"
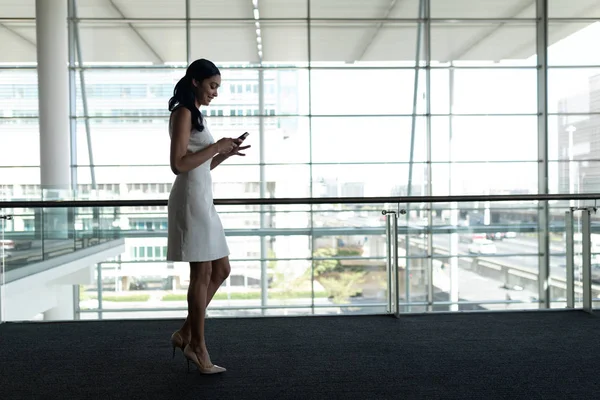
{"x": 526, "y": 355}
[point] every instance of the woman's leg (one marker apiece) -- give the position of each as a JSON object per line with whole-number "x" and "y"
{"x": 200, "y": 278}
{"x": 220, "y": 271}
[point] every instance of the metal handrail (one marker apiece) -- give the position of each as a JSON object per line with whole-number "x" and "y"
{"x": 303, "y": 200}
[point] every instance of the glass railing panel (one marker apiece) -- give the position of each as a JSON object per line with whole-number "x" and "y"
{"x": 558, "y": 256}
{"x": 329, "y": 262}
{"x": 469, "y": 256}
{"x": 349, "y": 258}
{"x": 3, "y": 255}
{"x": 35, "y": 235}
{"x": 595, "y": 255}
{"x": 558, "y": 250}
{"x": 298, "y": 259}
{"x": 23, "y": 239}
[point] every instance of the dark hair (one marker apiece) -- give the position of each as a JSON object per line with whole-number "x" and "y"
{"x": 183, "y": 94}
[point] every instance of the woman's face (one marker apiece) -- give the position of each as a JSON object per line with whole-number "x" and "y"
{"x": 207, "y": 90}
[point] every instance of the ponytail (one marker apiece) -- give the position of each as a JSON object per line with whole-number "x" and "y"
{"x": 183, "y": 96}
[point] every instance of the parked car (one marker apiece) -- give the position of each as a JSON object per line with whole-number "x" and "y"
{"x": 482, "y": 246}
{"x": 15, "y": 244}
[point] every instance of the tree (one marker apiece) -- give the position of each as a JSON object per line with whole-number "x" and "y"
{"x": 339, "y": 281}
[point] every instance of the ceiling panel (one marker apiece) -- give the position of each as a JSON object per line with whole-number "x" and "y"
{"x": 101, "y": 43}
{"x": 221, "y": 9}
{"x": 283, "y": 9}
{"x": 169, "y": 42}
{"x": 405, "y": 9}
{"x": 285, "y": 41}
{"x": 17, "y": 8}
{"x": 483, "y": 9}
{"x": 393, "y": 42}
{"x": 224, "y": 42}
{"x": 17, "y": 43}
{"x": 349, "y": 8}
{"x": 480, "y": 41}
{"x": 326, "y": 44}
{"x": 149, "y": 8}
{"x": 504, "y": 43}
{"x": 574, "y": 9}
{"x": 131, "y": 8}
{"x": 95, "y": 9}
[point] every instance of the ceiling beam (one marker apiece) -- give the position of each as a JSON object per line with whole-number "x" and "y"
{"x": 19, "y": 35}
{"x": 370, "y": 36}
{"x": 138, "y": 34}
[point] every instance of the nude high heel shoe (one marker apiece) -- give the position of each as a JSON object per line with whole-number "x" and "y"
{"x": 191, "y": 356}
{"x": 177, "y": 341}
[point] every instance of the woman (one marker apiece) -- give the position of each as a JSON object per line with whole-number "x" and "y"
{"x": 195, "y": 232}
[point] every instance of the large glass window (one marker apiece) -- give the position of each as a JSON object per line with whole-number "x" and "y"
{"x": 341, "y": 99}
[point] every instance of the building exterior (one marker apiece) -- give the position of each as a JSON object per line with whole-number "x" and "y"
{"x": 579, "y": 141}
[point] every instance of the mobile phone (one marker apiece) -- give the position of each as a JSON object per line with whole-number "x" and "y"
{"x": 244, "y": 136}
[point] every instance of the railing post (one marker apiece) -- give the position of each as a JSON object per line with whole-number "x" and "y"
{"x": 393, "y": 283}
{"x": 395, "y": 264}
{"x": 388, "y": 264}
{"x": 586, "y": 256}
{"x": 586, "y": 241}
{"x": 393, "y": 273}
{"x": 2, "y": 270}
{"x": 569, "y": 232}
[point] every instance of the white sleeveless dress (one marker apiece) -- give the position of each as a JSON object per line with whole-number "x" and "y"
{"x": 195, "y": 232}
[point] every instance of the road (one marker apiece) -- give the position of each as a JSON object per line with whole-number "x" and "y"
{"x": 527, "y": 248}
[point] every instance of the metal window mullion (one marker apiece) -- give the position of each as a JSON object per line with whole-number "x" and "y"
{"x": 412, "y": 151}
{"x": 542, "y": 100}
{"x": 77, "y": 42}
{"x": 188, "y": 33}
{"x": 430, "y": 246}
{"x": 72, "y": 93}
{"x": 263, "y": 191}
{"x": 310, "y": 152}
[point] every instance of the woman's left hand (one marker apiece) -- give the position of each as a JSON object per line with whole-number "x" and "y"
{"x": 236, "y": 151}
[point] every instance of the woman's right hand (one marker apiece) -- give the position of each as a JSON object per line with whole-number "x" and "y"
{"x": 226, "y": 145}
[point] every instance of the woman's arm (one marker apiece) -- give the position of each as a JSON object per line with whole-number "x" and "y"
{"x": 218, "y": 159}
{"x": 181, "y": 159}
